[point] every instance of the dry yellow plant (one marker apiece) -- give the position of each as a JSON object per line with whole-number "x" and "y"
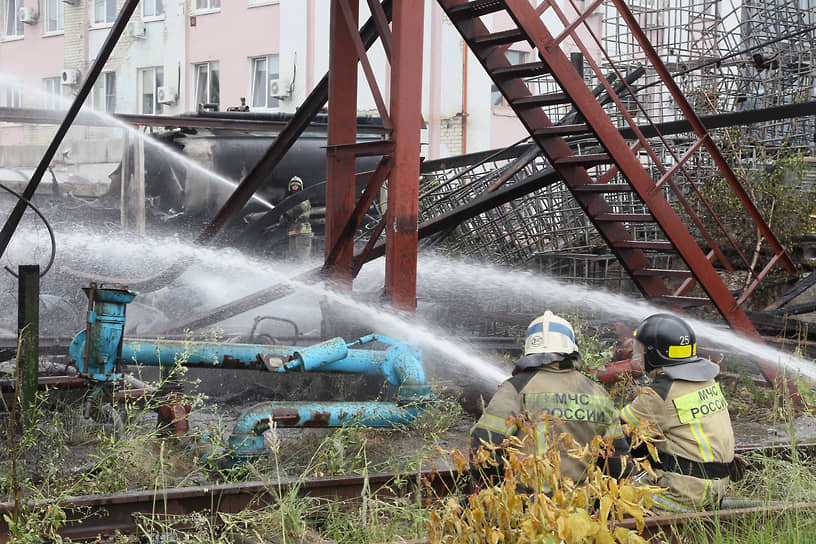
{"x": 533, "y": 503}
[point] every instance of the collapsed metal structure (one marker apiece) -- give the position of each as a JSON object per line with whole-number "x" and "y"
{"x": 739, "y": 62}
{"x": 599, "y": 169}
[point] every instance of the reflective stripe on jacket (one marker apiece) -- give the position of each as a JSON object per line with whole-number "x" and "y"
{"x": 696, "y": 426}
{"x": 583, "y": 405}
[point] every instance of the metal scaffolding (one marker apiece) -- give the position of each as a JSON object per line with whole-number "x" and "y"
{"x": 726, "y": 56}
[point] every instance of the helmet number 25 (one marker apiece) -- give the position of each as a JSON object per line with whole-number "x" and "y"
{"x": 684, "y": 340}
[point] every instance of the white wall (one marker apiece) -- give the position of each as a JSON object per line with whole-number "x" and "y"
{"x": 294, "y": 48}
{"x": 163, "y": 45}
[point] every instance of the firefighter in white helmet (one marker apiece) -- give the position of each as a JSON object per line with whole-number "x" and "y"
{"x": 688, "y": 407}
{"x": 547, "y": 380}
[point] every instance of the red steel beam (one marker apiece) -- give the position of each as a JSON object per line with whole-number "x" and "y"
{"x": 638, "y": 177}
{"x": 381, "y": 22}
{"x": 369, "y": 195}
{"x": 403, "y": 188}
{"x": 342, "y": 130}
{"x": 351, "y": 23}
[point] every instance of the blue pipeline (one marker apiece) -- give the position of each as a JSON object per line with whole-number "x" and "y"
{"x": 247, "y": 435}
{"x": 400, "y": 364}
{"x": 396, "y": 365}
{"x": 204, "y": 354}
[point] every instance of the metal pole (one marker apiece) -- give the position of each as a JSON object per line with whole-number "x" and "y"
{"x": 105, "y": 52}
{"x": 28, "y": 323}
{"x": 340, "y": 168}
{"x": 403, "y": 188}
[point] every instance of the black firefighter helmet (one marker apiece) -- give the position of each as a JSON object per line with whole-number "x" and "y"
{"x": 668, "y": 342}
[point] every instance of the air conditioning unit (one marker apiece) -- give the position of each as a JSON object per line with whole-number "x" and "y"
{"x": 279, "y": 88}
{"x": 136, "y": 29}
{"x": 27, "y": 15}
{"x": 165, "y": 95}
{"x": 69, "y": 76}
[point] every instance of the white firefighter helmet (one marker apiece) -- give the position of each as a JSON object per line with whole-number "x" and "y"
{"x": 295, "y": 184}
{"x": 550, "y": 334}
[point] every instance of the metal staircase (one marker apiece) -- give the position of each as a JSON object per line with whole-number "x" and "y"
{"x": 597, "y": 178}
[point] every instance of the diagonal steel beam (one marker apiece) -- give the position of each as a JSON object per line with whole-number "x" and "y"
{"x": 365, "y": 202}
{"x": 360, "y": 49}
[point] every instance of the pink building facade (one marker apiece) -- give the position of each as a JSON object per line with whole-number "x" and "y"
{"x": 186, "y": 55}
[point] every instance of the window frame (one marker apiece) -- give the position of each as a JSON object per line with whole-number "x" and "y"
{"x": 158, "y": 81}
{"x": 48, "y": 7}
{"x": 104, "y": 21}
{"x": 158, "y": 9}
{"x": 19, "y": 27}
{"x": 106, "y": 82}
{"x": 270, "y": 103}
{"x": 12, "y": 96}
{"x": 53, "y": 88}
{"x": 210, "y": 7}
{"x": 197, "y": 67}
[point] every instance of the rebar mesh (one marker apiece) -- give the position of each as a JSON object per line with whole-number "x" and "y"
{"x": 727, "y": 56}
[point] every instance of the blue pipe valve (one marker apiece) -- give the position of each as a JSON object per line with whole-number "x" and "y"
{"x": 98, "y": 357}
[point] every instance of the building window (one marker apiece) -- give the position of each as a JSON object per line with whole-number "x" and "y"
{"x": 515, "y": 57}
{"x": 11, "y": 96}
{"x": 12, "y": 26}
{"x": 264, "y": 70}
{"x": 104, "y": 92}
{"x": 104, "y": 11}
{"x": 54, "y": 19}
{"x": 150, "y": 79}
{"x": 53, "y": 93}
{"x": 204, "y": 5}
{"x": 152, "y": 8}
{"x": 206, "y": 81}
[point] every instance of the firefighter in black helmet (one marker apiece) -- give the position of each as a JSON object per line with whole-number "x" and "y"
{"x": 688, "y": 407}
{"x": 296, "y": 219}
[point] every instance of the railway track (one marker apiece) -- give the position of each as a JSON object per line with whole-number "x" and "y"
{"x": 679, "y": 528}
{"x": 92, "y": 516}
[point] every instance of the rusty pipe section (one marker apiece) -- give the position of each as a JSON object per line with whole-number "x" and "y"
{"x": 204, "y": 354}
{"x": 247, "y": 440}
{"x": 399, "y": 363}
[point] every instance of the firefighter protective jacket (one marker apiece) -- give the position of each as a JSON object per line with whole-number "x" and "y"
{"x": 697, "y": 444}
{"x": 297, "y": 217}
{"x": 584, "y": 407}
